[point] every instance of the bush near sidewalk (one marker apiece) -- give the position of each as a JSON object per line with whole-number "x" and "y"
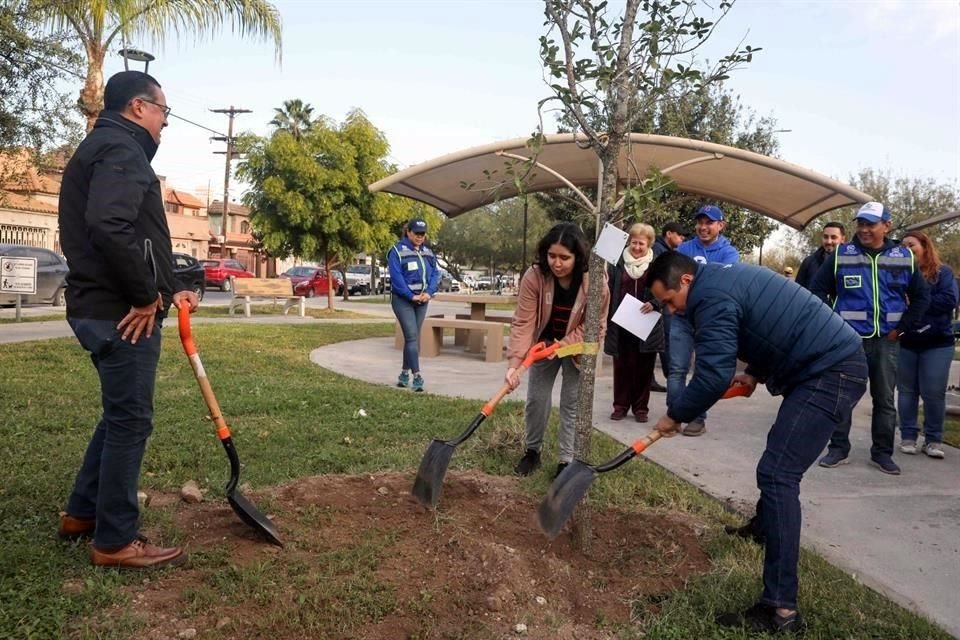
{"x": 290, "y": 419}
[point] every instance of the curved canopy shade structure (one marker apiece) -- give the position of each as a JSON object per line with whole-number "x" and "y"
{"x": 785, "y": 192}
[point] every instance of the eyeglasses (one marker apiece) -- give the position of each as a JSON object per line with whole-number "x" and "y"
{"x": 166, "y": 110}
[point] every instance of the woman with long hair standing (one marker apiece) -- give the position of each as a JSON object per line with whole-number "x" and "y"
{"x": 923, "y": 365}
{"x": 414, "y": 278}
{"x": 551, "y": 307}
{"x": 633, "y": 359}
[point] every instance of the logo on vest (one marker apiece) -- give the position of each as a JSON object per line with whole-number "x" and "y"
{"x": 897, "y": 252}
{"x": 850, "y": 249}
{"x": 852, "y": 282}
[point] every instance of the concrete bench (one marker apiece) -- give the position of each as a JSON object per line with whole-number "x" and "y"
{"x": 431, "y": 338}
{"x": 274, "y": 289}
{"x": 431, "y": 335}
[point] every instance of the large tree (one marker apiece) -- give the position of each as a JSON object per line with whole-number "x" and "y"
{"x": 294, "y": 116}
{"x": 614, "y": 69}
{"x": 309, "y": 196}
{"x": 100, "y": 24}
{"x": 493, "y": 236}
{"x": 33, "y": 111}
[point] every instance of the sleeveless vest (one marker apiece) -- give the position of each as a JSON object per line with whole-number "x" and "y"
{"x": 871, "y": 291}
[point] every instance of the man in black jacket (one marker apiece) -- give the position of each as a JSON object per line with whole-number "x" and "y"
{"x": 115, "y": 237}
{"x": 833, "y": 234}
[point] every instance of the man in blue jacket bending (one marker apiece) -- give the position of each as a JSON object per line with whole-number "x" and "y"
{"x": 800, "y": 349}
{"x": 708, "y": 246}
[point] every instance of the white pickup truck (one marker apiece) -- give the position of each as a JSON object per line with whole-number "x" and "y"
{"x": 358, "y": 279}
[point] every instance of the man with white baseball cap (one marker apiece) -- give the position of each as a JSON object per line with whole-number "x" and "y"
{"x": 878, "y": 289}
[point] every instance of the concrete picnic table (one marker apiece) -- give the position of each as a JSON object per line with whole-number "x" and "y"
{"x": 478, "y": 311}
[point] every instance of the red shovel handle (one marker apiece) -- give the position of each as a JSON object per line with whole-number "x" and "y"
{"x": 735, "y": 391}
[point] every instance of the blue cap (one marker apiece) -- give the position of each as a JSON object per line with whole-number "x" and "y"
{"x": 711, "y": 211}
{"x": 873, "y": 212}
{"x": 417, "y": 225}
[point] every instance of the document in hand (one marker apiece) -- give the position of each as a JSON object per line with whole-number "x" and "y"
{"x": 629, "y": 316}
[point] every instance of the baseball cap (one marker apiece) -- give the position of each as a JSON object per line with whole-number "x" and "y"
{"x": 417, "y": 225}
{"x": 711, "y": 211}
{"x": 873, "y": 212}
{"x": 675, "y": 227}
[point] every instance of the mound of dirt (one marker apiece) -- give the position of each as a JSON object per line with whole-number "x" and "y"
{"x": 364, "y": 560}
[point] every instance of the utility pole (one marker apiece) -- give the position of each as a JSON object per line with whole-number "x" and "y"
{"x": 230, "y": 153}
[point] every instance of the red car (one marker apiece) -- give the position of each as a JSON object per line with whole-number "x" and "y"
{"x": 310, "y": 281}
{"x": 219, "y": 272}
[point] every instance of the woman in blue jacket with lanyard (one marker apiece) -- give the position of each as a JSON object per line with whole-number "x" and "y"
{"x": 414, "y": 278}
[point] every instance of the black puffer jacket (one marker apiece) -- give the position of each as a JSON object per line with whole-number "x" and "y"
{"x": 113, "y": 228}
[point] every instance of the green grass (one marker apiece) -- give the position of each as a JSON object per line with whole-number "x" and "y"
{"x": 951, "y": 430}
{"x": 44, "y": 318}
{"x": 290, "y": 419}
{"x": 277, "y": 310}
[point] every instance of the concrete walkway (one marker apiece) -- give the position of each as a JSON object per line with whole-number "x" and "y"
{"x": 899, "y": 535}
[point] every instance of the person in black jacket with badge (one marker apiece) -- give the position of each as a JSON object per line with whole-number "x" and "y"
{"x": 114, "y": 234}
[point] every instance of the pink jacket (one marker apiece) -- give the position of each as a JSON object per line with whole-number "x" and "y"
{"x": 534, "y": 307}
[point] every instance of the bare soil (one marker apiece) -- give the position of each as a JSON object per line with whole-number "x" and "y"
{"x": 364, "y": 560}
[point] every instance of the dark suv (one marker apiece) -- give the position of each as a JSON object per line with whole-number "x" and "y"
{"x": 190, "y": 272}
{"x": 51, "y": 275}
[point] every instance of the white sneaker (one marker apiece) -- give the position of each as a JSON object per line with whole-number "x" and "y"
{"x": 908, "y": 446}
{"x": 934, "y": 450}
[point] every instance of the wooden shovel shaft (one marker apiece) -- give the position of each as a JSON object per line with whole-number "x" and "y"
{"x": 190, "y": 348}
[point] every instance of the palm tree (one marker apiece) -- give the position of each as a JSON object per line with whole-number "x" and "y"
{"x": 99, "y": 23}
{"x": 296, "y": 116}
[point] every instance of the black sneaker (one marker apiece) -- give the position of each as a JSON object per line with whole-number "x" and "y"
{"x": 560, "y": 468}
{"x": 762, "y": 618}
{"x": 529, "y": 463}
{"x": 751, "y": 531}
{"x": 656, "y": 387}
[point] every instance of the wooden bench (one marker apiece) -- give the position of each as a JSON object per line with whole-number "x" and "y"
{"x": 273, "y": 289}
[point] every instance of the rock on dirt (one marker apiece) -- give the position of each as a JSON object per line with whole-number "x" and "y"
{"x": 187, "y": 634}
{"x": 520, "y": 628}
{"x": 190, "y": 492}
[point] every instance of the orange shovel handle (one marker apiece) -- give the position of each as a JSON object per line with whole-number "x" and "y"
{"x": 539, "y": 351}
{"x": 190, "y": 348}
{"x": 735, "y": 391}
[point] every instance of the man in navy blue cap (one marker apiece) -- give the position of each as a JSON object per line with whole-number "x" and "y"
{"x": 708, "y": 246}
{"x": 877, "y": 288}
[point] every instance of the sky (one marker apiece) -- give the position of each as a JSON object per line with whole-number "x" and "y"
{"x": 858, "y": 84}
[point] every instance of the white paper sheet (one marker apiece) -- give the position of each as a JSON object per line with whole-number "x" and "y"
{"x": 629, "y": 316}
{"x": 611, "y": 242}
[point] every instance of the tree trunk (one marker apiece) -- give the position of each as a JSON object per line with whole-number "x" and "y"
{"x": 91, "y": 96}
{"x": 331, "y": 286}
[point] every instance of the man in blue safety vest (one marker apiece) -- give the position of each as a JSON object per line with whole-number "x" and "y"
{"x": 878, "y": 290}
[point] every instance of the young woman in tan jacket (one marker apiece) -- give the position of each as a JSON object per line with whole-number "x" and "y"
{"x": 552, "y": 307}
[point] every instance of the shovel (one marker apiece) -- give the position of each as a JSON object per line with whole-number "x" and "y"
{"x": 574, "y": 481}
{"x": 241, "y": 506}
{"x": 429, "y": 482}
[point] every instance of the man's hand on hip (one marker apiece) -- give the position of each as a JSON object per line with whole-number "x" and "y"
{"x": 140, "y": 320}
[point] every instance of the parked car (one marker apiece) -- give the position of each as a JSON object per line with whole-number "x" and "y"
{"x": 358, "y": 279}
{"x": 448, "y": 282}
{"x": 190, "y": 272}
{"x": 51, "y": 275}
{"x": 219, "y": 272}
{"x": 484, "y": 283}
{"x": 311, "y": 281}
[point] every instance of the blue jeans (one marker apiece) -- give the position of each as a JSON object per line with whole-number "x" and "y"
{"x": 882, "y": 362}
{"x": 808, "y": 415}
{"x": 106, "y": 485}
{"x": 681, "y": 353}
{"x": 410, "y": 315}
{"x": 923, "y": 374}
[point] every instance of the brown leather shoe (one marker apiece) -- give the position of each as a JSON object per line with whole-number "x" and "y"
{"x": 139, "y": 554}
{"x": 73, "y": 528}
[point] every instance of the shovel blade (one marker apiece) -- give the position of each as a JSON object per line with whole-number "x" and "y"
{"x": 563, "y": 496}
{"x": 429, "y": 482}
{"x": 252, "y": 516}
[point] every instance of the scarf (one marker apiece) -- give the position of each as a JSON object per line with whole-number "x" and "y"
{"x": 636, "y": 267}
